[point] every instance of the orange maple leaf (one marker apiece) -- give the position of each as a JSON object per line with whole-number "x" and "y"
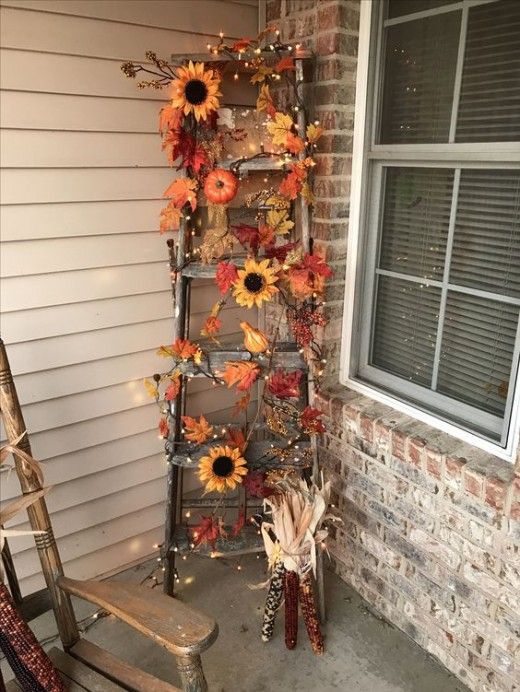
{"x": 170, "y": 218}
{"x": 293, "y": 143}
{"x": 240, "y": 45}
{"x": 211, "y": 326}
{"x": 198, "y": 431}
{"x": 164, "y": 428}
{"x": 241, "y": 373}
{"x": 242, "y": 403}
{"x": 182, "y": 191}
{"x": 169, "y": 118}
{"x": 184, "y": 349}
{"x": 173, "y": 388}
{"x": 301, "y": 283}
{"x": 290, "y": 186}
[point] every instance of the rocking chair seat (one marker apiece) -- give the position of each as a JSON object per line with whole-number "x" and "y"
{"x": 169, "y": 622}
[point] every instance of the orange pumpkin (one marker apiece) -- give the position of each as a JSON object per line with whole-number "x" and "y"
{"x": 220, "y": 186}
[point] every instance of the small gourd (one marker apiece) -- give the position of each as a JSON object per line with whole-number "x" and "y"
{"x": 220, "y": 186}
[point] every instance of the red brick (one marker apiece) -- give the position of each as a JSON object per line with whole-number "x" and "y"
{"x": 454, "y": 466}
{"x": 399, "y": 444}
{"x": 434, "y": 462}
{"x": 473, "y": 482}
{"x": 495, "y": 492}
{"x": 366, "y": 426}
{"x": 416, "y": 452}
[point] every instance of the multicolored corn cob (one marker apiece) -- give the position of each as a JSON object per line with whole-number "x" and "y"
{"x": 291, "y": 583}
{"x": 273, "y": 600}
{"x": 310, "y": 615}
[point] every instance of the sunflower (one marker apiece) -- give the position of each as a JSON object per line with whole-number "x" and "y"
{"x": 196, "y": 90}
{"x": 222, "y": 468}
{"x": 255, "y": 283}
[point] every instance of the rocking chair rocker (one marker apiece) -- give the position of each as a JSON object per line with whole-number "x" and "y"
{"x": 182, "y": 631}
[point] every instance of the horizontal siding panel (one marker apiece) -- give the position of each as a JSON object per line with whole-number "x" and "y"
{"x": 36, "y": 221}
{"x": 102, "y": 562}
{"x": 70, "y": 185}
{"x": 84, "y": 317}
{"x": 65, "y": 496}
{"x": 68, "y": 349}
{"x": 99, "y": 510}
{"x": 95, "y": 538}
{"x": 85, "y": 462}
{"x": 30, "y": 111}
{"x": 66, "y": 74}
{"x": 75, "y": 408}
{"x": 20, "y": 293}
{"x": 158, "y": 13}
{"x": 28, "y": 257}
{"x": 32, "y": 149}
{"x": 90, "y": 433}
{"x": 45, "y": 32}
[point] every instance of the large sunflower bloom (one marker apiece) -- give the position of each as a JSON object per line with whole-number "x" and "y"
{"x": 255, "y": 283}
{"x": 196, "y": 90}
{"x": 222, "y": 469}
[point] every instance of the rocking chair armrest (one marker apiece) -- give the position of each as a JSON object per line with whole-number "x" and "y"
{"x": 174, "y": 625}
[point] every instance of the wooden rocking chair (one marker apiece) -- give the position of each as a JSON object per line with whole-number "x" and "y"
{"x": 182, "y": 631}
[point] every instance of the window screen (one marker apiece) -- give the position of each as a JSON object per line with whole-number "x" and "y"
{"x": 440, "y": 289}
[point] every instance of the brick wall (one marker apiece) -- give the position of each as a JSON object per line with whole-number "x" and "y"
{"x": 431, "y": 526}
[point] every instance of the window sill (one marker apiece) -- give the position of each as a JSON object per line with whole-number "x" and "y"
{"x": 381, "y": 431}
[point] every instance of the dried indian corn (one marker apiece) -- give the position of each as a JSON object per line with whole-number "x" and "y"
{"x": 291, "y": 582}
{"x": 310, "y": 616}
{"x": 273, "y": 600}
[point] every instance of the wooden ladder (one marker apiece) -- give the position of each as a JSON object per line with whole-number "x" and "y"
{"x": 287, "y": 355}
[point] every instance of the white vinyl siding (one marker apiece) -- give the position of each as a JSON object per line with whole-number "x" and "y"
{"x": 438, "y": 258}
{"x": 85, "y": 284}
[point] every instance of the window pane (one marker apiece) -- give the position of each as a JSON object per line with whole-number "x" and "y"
{"x": 486, "y": 243}
{"x": 415, "y": 220}
{"x": 489, "y": 109}
{"x": 477, "y": 350}
{"x": 405, "y": 328}
{"x": 419, "y": 75}
{"x": 398, "y": 8}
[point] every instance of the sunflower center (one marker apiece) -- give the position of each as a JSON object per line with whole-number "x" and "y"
{"x": 196, "y": 92}
{"x": 254, "y": 282}
{"x": 223, "y": 466}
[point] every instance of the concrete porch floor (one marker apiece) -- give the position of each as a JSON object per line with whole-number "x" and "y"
{"x": 363, "y": 653}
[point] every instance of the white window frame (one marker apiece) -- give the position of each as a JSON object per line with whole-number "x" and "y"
{"x": 364, "y": 117}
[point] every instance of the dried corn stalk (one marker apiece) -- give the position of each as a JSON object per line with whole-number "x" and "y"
{"x": 273, "y": 600}
{"x": 310, "y": 615}
{"x": 291, "y": 583}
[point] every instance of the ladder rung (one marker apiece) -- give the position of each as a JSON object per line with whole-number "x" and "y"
{"x": 208, "y": 502}
{"x": 259, "y": 455}
{"x": 248, "y": 541}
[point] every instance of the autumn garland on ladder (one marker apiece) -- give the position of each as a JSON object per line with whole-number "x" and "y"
{"x": 274, "y": 268}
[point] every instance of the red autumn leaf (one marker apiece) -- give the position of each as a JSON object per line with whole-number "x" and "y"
{"x": 283, "y": 64}
{"x": 238, "y": 525}
{"x": 317, "y": 266}
{"x": 164, "y": 428}
{"x": 173, "y": 388}
{"x": 280, "y": 252}
{"x": 207, "y": 531}
{"x": 309, "y": 420}
{"x": 240, "y": 45}
{"x": 254, "y": 484}
{"x": 293, "y": 143}
{"x": 235, "y": 438}
{"x": 240, "y": 373}
{"x": 265, "y": 235}
{"x": 246, "y": 235}
{"x": 285, "y": 385}
{"x": 226, "y": 276}
{"x": 198, "y": 431}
